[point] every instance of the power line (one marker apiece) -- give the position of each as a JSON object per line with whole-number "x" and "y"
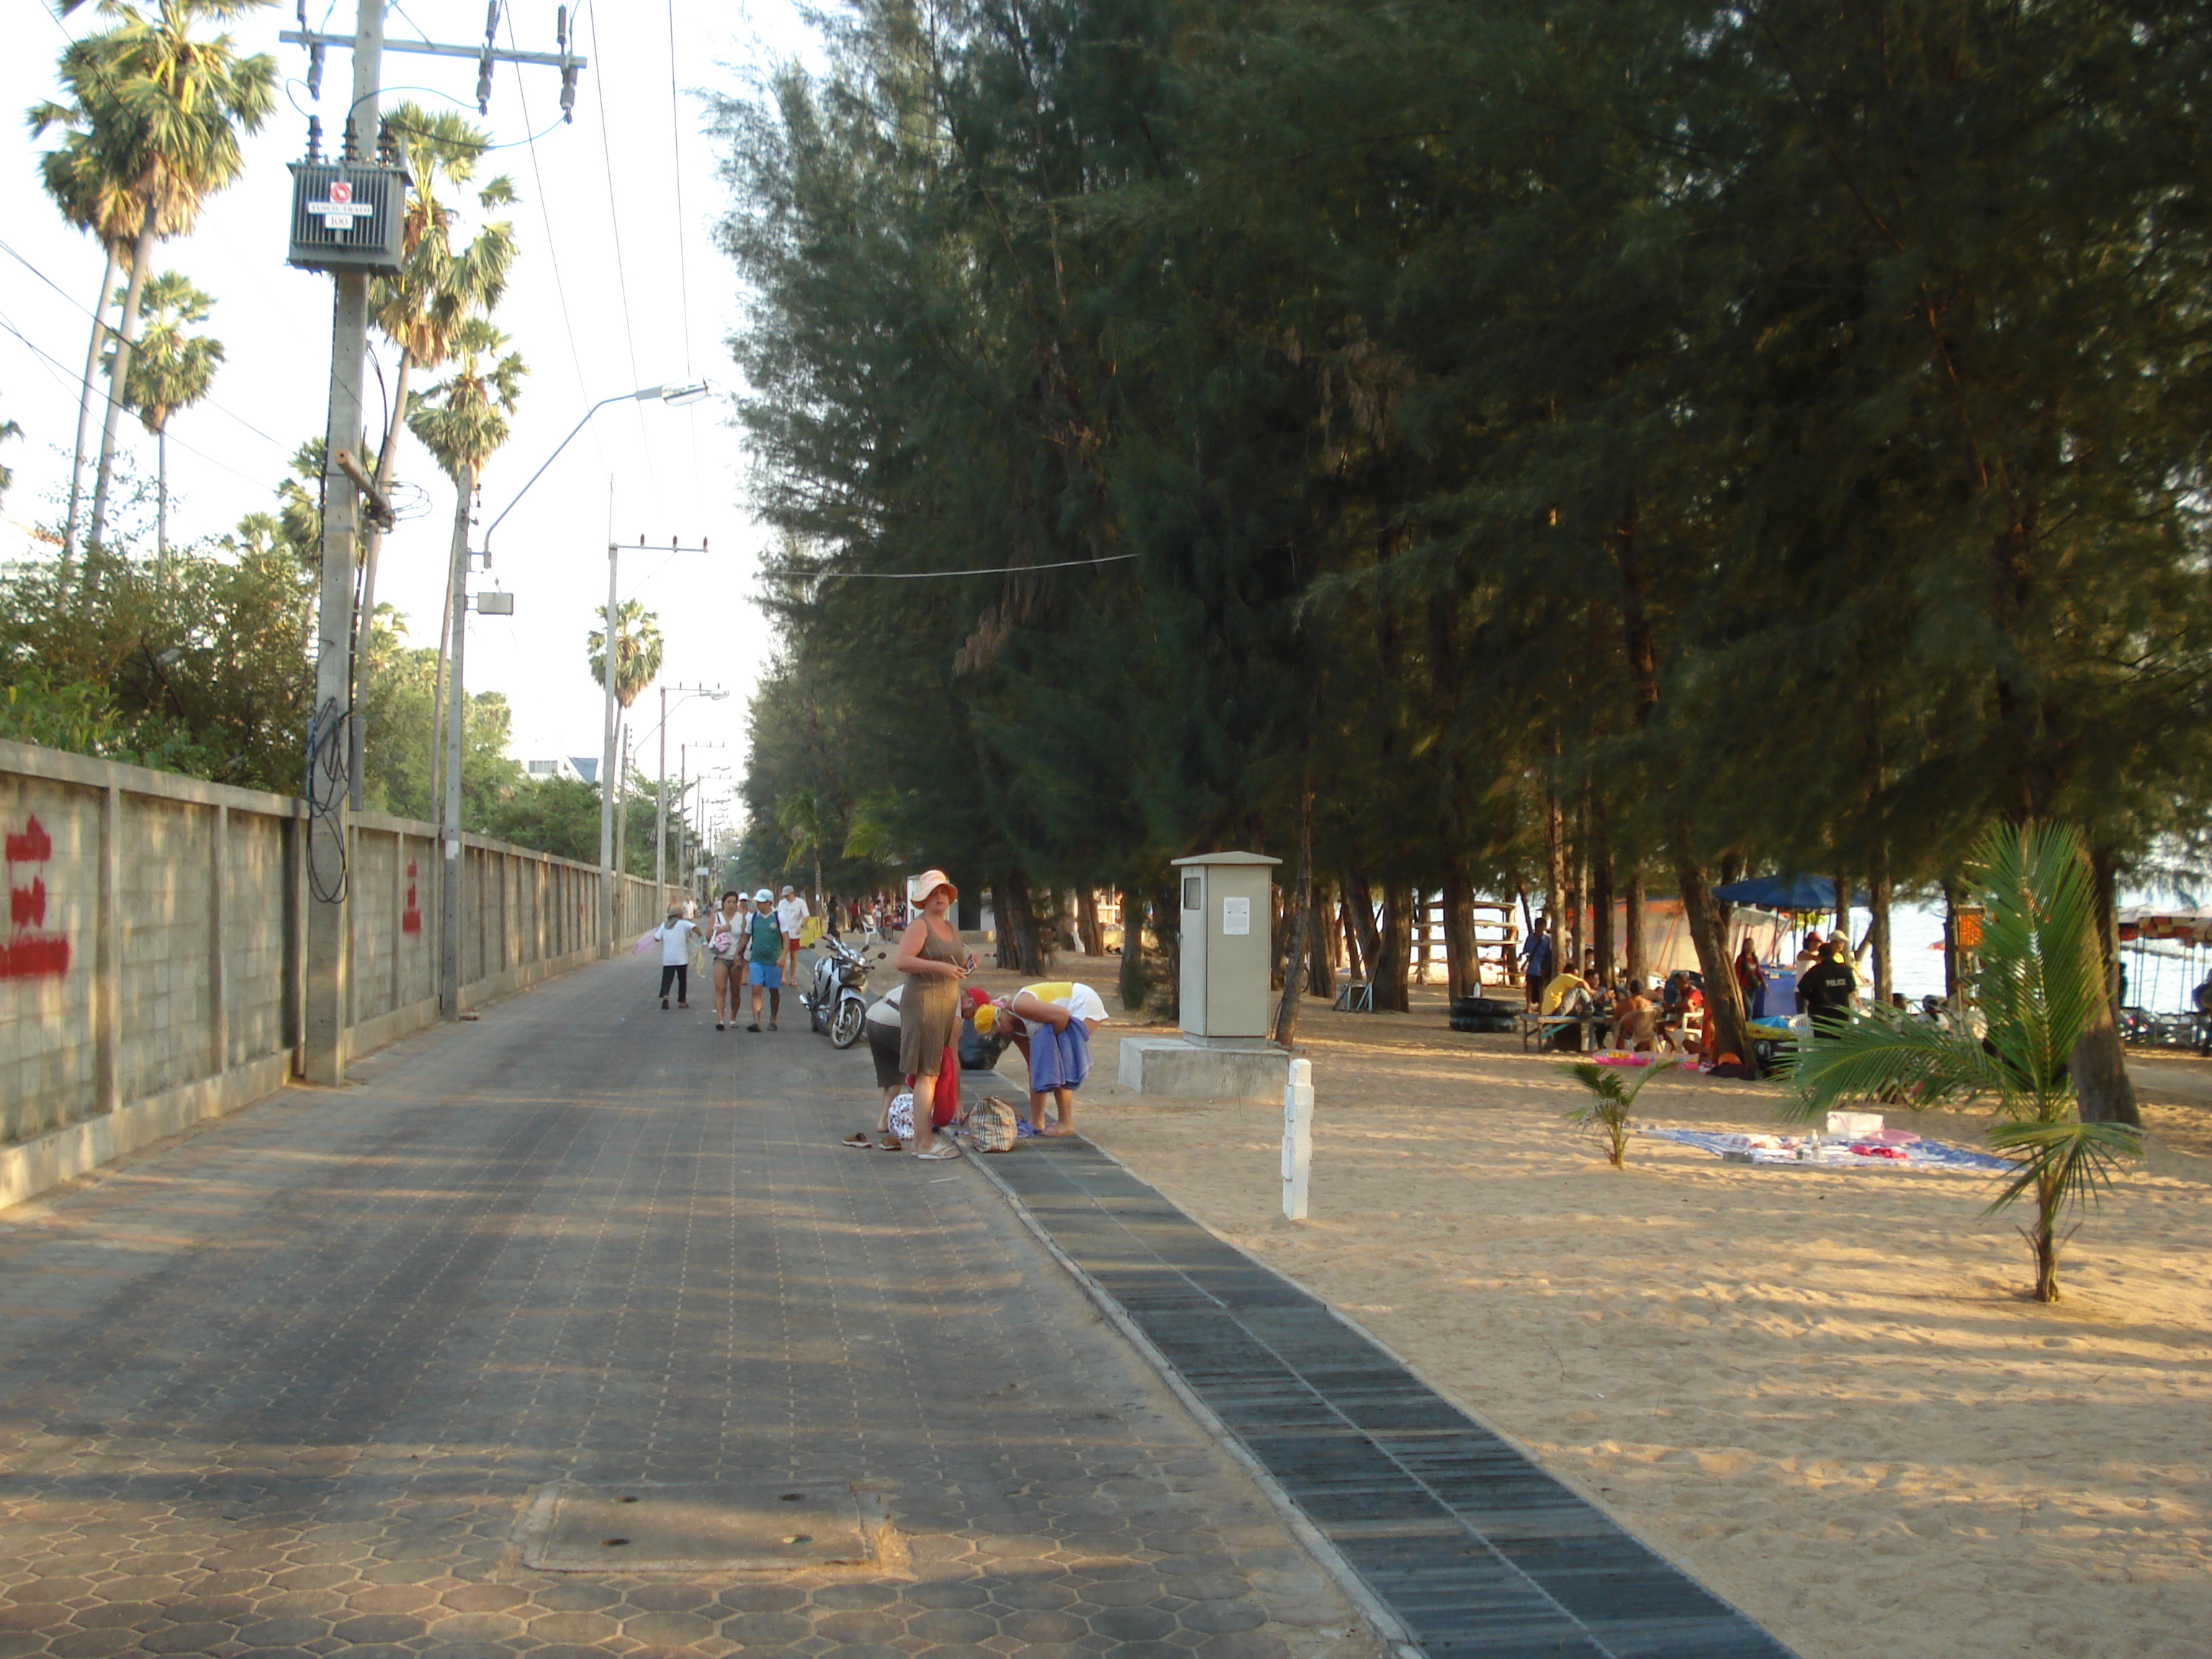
{"x": 621, "y": 269}
{"x": 928, "y": 575}
{"x": 553, "y": 250}
{"x": 107, "y": 328}
{"x": 68, "y": 376}
{"x": 676, "y": 174}
{"x": 683, "y": 225}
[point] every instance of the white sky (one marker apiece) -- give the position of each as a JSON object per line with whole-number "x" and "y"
{"x": 671, "y": 474}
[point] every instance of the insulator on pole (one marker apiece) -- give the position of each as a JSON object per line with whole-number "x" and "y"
{"x": 314, "y": 137}
{"x": 315, "y": 71}
{"x": 560, "y": 28}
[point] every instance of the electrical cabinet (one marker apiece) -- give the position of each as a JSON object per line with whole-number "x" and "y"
{"x": 1227, "y": 908}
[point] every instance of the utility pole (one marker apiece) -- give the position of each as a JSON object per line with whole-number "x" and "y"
{"x": 683, "y": 791}
{"x": 660, "y": 787}
{"x": 331, "y": 738}
{"x": 610, "y": 877}
{"x": 329, "y": 834}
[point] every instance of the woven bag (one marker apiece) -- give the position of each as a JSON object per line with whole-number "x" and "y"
{"x": 991, "y": 1123}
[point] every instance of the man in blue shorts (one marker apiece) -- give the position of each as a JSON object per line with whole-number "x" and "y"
{"x": 765, "y": 953}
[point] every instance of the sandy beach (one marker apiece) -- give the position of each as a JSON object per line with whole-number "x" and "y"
{"x": 1824, "y": 1392}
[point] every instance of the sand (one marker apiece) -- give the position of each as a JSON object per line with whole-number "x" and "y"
{"x": 1824, "y": 1392}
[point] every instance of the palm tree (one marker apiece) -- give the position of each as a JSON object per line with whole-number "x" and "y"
{"x": 159, "y": 109}
{"x": 421, "y": 309}
{"x": 8, "y": 429}
{"x": 463, "y": 420}
{"x": 91, "y": 196}
{"x": 804, "y": 820}
{"x": 637, "y": 665}
{"x": 2040, "y": 986}
{"x": 171, "y": 370}
{"x": 1612, "y": 1098}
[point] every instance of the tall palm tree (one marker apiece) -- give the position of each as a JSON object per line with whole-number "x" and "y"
{"x": 160, "y": 108}
{"x": 171, "y": 370}
{"x": 463, "y": 420}
{"x": 2040, "y": 986}
{"x": 93, "y": 198}
{"x": 637, "y": 664}
{"x": 439, "y": 287}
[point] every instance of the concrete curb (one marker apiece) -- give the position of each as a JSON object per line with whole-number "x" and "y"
{"x": 1378, "y": 1617}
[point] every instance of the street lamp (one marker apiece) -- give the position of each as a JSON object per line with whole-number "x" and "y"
{"x": 713, "y": 693}
{"x": 676, "y": 396}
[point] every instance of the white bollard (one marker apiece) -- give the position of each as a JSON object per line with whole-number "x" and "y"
{"x": 1298, "y": 1137}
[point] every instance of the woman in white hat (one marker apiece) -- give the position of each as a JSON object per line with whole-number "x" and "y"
{"x": 930, "y": 957}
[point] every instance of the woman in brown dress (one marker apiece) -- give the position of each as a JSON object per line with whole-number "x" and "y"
{"x": 930, "y": 955}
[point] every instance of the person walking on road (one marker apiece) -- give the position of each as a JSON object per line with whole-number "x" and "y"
{"x": 930, "y": 955}
{"x": 675, "y": 936}
{"x": 791, "y": 915}
{"x": 765, "y": 967}
{"x": 725, "y": 951}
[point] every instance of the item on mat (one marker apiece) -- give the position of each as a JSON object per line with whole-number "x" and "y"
{"x": 1738, "y": 1147}
{"x": 902, "y": 1118}
{"x": 1854, "y": 1126}
{"x": 1025, "y": 1130}
{"x": 992, "y": 1125}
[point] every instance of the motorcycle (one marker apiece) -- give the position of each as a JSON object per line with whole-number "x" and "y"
{"x": 839, "y": 1001}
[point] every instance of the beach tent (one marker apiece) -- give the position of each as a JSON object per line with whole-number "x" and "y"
{"x": 1799, "y": 895}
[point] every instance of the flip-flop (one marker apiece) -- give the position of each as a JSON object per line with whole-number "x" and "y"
{"x": 859, "y": 1140}
{"x": 937, "y": 1152}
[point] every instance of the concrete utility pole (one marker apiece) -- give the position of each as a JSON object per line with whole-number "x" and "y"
{"x": 332, "y": 748}
{"x": 713, "y": 693}
{"x": 330, "y": 739}
{"x": 449, "y": 930}
{"x": 610, "y": 877}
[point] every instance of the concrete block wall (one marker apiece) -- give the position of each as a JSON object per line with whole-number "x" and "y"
{"x": 152, "y": 968}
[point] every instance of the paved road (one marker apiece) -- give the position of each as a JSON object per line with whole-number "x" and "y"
{"x": 289, "y": 1386}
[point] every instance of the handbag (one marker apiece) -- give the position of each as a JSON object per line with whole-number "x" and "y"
{"x": 992, "y": 1125}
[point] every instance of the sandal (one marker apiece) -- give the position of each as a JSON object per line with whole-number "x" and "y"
{"x": 859, "y": 1140}
{"x": 890, "y": 1144}
{"x": 948, "y": 1149}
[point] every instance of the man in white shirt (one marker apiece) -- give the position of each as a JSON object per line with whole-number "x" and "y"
{"x": 790, "y": 915}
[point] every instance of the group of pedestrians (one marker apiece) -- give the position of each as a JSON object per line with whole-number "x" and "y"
{"x": 749, "y": 939}
{"x": 915, "y": 1031}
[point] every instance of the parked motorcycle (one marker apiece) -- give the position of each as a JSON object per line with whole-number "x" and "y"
{"x": 839, "y": 1001}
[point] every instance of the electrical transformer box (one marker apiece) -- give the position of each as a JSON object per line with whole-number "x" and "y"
{"x": 348, "y": 215}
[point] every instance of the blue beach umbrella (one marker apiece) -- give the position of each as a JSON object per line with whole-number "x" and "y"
{"x": 1799, "y": 894}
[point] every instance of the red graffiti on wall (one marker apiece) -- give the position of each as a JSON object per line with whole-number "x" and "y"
{"x": 27, "y": 953}
{"x": 410, "y": 918}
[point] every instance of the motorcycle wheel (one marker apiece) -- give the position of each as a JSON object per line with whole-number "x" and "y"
{"x": 845, "y": 1025}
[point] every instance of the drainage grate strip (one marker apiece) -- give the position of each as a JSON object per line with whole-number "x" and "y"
{"x": 1477, "y": 1552}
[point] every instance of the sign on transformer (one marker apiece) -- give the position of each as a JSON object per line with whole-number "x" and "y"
{"x": 348, "y": 215}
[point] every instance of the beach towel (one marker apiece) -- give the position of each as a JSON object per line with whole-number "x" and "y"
{"x": 1059, "y": 1059}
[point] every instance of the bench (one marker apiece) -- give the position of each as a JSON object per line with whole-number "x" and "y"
{"x": 1536, "y": 1028}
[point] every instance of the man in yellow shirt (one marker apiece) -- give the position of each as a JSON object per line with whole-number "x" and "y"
{"x": 1051, "y": 1023}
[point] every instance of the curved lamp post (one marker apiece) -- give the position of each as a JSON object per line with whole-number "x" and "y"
{"x": 450, "y": 920}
